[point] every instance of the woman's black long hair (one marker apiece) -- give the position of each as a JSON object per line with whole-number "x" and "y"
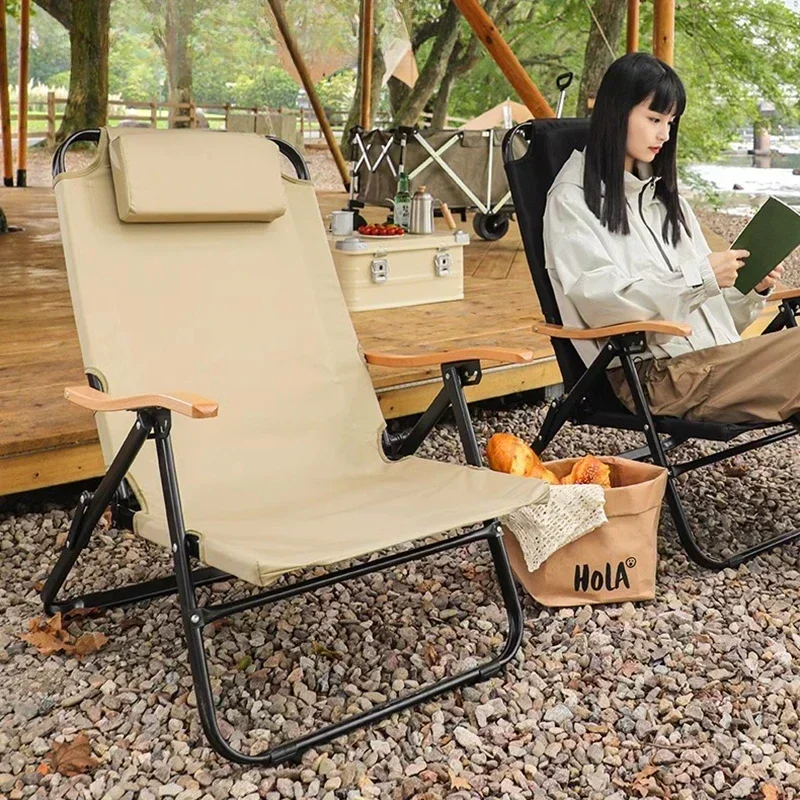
{"x": 627, "y": 82}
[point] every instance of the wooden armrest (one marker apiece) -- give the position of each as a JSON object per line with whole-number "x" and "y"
{"x": 190, "y": 405}
{"x": 513, "y": 354}
{"x": 651, "y": 326}
{"x": 783, "y": 293}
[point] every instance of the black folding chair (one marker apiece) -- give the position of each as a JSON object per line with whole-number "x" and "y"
{"x": 588, "y": 398}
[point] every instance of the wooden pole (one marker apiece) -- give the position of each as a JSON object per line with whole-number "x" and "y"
{"x": 300, "y": 66}
{"x": 664, "y": 30}
{"x": 22, "y": 118}
{"x": 504, "y": 57}
{"x": 5, "y": 103}
{"x": 633, "y": 26}
{"x": 368, "y": 30}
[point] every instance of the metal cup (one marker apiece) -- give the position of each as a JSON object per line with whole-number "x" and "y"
{"x": 341, "y": 223}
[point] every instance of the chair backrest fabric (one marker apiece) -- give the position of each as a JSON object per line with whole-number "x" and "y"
{"x": 242, "y": 310}
{"x": 550, "y": 143}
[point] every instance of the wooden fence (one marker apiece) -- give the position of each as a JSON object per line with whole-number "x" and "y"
{"x": 161, "y": 114}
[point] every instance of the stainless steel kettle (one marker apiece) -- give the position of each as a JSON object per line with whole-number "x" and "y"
{"x": 421, "y": 212}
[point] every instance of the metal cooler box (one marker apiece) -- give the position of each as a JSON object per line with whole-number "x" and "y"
{"x": 394, "y": 271}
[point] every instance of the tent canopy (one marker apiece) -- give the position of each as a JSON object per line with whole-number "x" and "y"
{"x": 504, "y": 115}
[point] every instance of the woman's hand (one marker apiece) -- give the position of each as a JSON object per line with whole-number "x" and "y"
{"x": 771, "y": 279}
{"x": 726, "y": 265}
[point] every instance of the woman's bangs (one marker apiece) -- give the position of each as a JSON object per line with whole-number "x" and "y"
{"x": 669, "y": 96}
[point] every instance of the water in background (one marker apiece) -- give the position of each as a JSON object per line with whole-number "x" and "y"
{"x": 737, "y": 167}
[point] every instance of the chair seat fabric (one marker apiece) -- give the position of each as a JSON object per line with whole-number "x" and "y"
{"x": 325, "y": 519}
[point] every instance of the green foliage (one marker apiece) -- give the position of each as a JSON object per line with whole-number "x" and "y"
{"x": 731, "y": 54}
{"x": 548, "y": 37}
{"x": 49, "y": 53}
{"x": 709, "y": 196}
{"x": 337, "y": 91}
{"x": 60, "y": 80}
{"x": 272, "y": 87}
{"x": 135, "y": 68}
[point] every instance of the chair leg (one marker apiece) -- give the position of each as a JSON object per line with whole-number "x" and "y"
{"x": 685, "y": 533}
{"x": 195, "y": 619}
{"x": 454, "y": 390}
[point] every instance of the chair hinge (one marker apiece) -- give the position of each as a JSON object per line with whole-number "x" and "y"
{"x": 75, "y": 529}
{"x": 162, "y": 423}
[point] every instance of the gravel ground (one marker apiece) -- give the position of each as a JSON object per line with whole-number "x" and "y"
{"x": 693, "y": 695}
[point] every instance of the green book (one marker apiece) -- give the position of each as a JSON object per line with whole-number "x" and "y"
{"x": 770, "y": 236}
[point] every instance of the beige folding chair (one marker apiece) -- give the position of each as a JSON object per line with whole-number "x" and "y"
{"x": 194, "y": 263}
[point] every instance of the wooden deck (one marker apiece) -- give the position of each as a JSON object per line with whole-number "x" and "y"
{"x": 46, "y": 441}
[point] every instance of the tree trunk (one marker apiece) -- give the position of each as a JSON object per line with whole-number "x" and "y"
{"x": 611, "y": 16}
{"x": 87, "y": 102}
{"x": 178, "y": 29}
{"x": 354, "y": 117}
{"x": 464, "y": 56}
{"x": 435, "y": 67}
{"x": 440, "y": 101}
{"x": 59, "y": 10}
{"x": 398, "y": 94}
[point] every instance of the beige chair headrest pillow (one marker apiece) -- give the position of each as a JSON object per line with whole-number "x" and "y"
{"x": 197, "y": 176}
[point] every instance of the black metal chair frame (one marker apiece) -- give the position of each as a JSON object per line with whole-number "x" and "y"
{"x": 155, "y": 423}
{"x": 588, "y": 398}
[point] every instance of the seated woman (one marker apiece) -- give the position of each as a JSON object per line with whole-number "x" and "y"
{"x": 621, "y": 245}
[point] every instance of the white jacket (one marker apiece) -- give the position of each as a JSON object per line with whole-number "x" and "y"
{"x": 603, "y": 278}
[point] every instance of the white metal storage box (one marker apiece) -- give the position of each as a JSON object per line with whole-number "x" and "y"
{"x": 393, "y": 271}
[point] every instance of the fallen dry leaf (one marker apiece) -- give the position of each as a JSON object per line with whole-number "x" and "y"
{"x": 79, "y": 613}
{"x": 49, "y": 637}
{"x": 769, "y": 791}
{"x": 457, "y": 782}
{"x": 43, "y": 768}
{"x": 90, "y": 643}
{"x": 73, "y": 758}
{"x": 736, "y": 469}
{"x": 644, "y": 787}
{"x": 325, "y": 652}
{"x": 432, "y": 655}
{"x": 104, "y": 523}
{"x": 46, "y": 643}
{"x": 643, "y": 781}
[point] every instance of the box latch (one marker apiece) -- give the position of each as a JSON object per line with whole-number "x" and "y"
{"x": 442, "y": 264}
{"x": 379, "y": 270}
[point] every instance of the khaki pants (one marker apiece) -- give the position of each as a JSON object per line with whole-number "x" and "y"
{"x": 755, "y": 380}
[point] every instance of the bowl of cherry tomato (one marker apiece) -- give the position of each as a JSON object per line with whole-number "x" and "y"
{"x": 381, "y": 230}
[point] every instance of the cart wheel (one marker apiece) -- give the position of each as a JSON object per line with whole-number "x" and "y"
{"x": 490, "y": 226}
